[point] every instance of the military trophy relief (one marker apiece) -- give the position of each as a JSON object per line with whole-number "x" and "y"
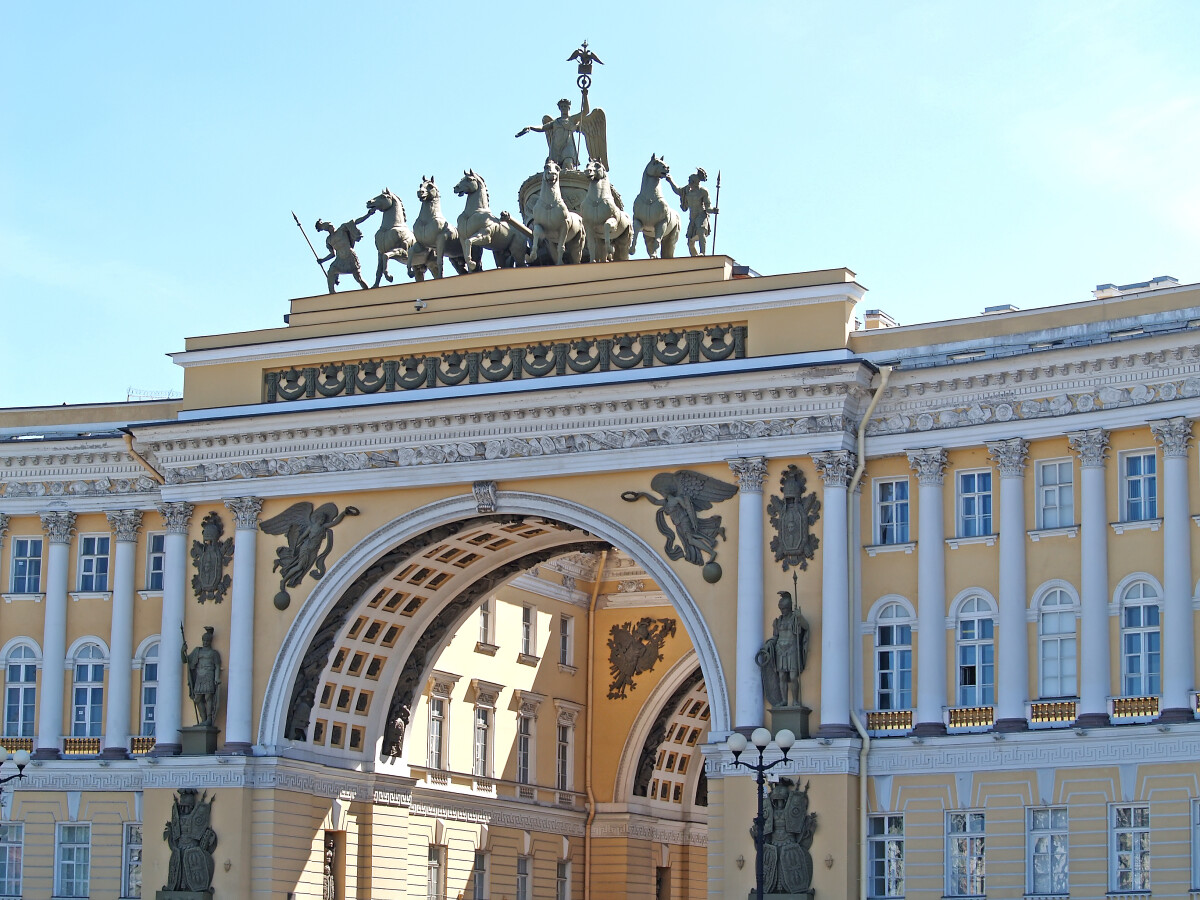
{"x": 211, "y": 556}
{"x": 682, "y": 496}
{"x": 793, "y": 516}
{"x": 634, "y": 650}
{"x": 787, "y": 836}
{"x": 203, "y": 667}
{"x": 309, "y": 534}
{"x": 191, "y": 839}
{"x": 568, "y": 212}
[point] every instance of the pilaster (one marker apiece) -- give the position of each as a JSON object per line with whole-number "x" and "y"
{"x": 239, "y": 715}
{"x": 748, "y": 696}
{"x": 1012, "y": 683}
{"x": 59, "y": 527}
{"x": 176, "y": 517}
{"x": 836, "y": 468}
{"x": 930, "y": 466}
{"x": 1091, "y": 446}
{"x": 125, "y": 523}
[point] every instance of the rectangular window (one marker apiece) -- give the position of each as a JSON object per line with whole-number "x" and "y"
{"x": 1129, "y": 848}
{"x": 523, "y": 878}
{"x": 562, "y": 889}
{"x": 486, "y": 621}
{"x": 1139, "y": 486}
{"x": 894, "y": 667}
{"x": 1055, "y": 493}
{"x": 1046, "y": 857}
{"x": 156, "y": 560}
{"x": 528, "y": 646}
{"x": 72, "y": 860}
{"x": 562, "y": 765}
{"x": 12, "y": 846}
{"x": 524, "y": 748}
{"x": 565, "y": 630}
{"x": 93, "y": 563}
{"x": 976, "y": 662}
{"x": 88, "y": 719}
{"x": 891, "y": 511}
{"x": 437, "y": 731}
{"x": 131, "y": 878}
{"x": 974, "y": 503}
{"x": 1141, "y": 651}
{"x": 27, "y": 566}
{"x": 479, "y": 876}
{"x": 966, "y": 867}
{"x": 20, "y": 692}
{"x": 482, "y": 765}
{"x": 436, "y": 872}
{"x": 149, "y": 695}
{"x": 885, "y": 856}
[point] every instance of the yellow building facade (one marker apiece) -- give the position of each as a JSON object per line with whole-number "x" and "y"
{"x": 501, "y": 673}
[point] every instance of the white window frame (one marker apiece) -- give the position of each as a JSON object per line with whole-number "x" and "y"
{"x": 1055, "y": 833}
{"x": 525, "y": 749}
{"x": 1055, "y": 497}
{"x": 562, "y": 880}
{"x": 32, "y": 583}
{"x": 94, "y": 569}
{"x": 1139, "y": 875}
{"x": 528, "y": 630}
{"x": 885, "y": 856}
{"x": 149, "y": 691}
{"x": 524, "y": 865}
{"x": 894, "y": 617}
{"x": 435, "y": 871}
{"x": 87, "y": 718}
{"x": 479, "y": 875}
{"x": 131, "y": 860}
{"x": 901, "y": 533}
{"x": 12, "y": 858}
{"x": 975, "y": 609}
{"x": 439, "y": 728}
{"x": 566, "y": 640}
{"x": 1149, "y": 651}
{"x": 156, "y": 561}
{"x": 973, "y": 505}
{"x": 481, "y": 749}
{"x": 562, "y": 757}
{"x": 487, "y": 622}
{"x": 81, "y": 852}
{"x": 22, "y": 691}
{"x": 1143, "y": 508}
{"x": 1195, "y": 830}
{"x": 975, "y": 856}
{"x": 1057, "y": 648}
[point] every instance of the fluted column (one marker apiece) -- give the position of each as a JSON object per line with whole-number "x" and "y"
{"x": 1094, "y": 660}
{"x": 930, "y": 465}
{"x": 59, "y": 528}
{"x": 125, "y": 523}
{"x": 1012, "y": 682}
{"x": 169, "y": 710}
{"x": 835, "y": 467}
{"x": 748, "y": 695}
{"x": 1178, "y": 659}
{"x": 239, "y": 737}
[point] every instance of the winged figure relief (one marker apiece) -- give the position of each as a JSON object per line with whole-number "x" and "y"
{"x": 683, "y": 495}
{"x": 309, "y": 532}
{"x": 634, "y": 649}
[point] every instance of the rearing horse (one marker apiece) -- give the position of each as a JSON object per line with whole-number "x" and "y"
{"x": 653, "y": 217}
{"x": 394, "y": 239}
{"x": 478, "y": 228}
{"x": 607, "y": 226}
{"x": 437, "y": 237}
{"x": 553, "y": 221}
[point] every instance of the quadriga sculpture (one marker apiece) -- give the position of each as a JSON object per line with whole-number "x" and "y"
{"x": 608, "y": 228}
{"x": 653, "y": 217}
{"x": 394, "y": 239}
{"x": 436, "y": 236}
{"x": 478, "y": 228}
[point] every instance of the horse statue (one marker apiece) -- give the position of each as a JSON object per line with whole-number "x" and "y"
{"x": 553, "y": 222}
{"x": 479, "y": 229}
{"x": 436, "y": 236}
{"x": 653, "y": 217}
{"x": 394, "y": 239}
{"x": 608, "y": 228}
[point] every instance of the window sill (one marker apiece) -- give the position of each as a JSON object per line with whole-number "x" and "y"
{"x": 1035, "y": 536}
{"x": 1129, "y": 895}
{"x": 876, "y": 549}
{"x": 22, "y": 598}
{"x": 1045, "y": 896}
{"x": 90, "y": 595}
{"x": 567, "y": 669}
{"x": 987, "y": 540}
{"x": 1121, "y": 528}
{"x": 150, "y": 595}
{"x": 526, "y": 659}
{"x": 487, "y": 649}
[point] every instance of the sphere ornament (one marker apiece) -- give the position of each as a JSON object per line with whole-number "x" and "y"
{"x": 711, "y": 572}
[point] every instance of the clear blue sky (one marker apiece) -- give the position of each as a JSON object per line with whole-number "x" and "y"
{"x": 954, "y": 154}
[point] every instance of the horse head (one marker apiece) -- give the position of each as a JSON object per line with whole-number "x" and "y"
{"x": 656, "y": 168}
{"x": 470, "y": 183}
{"x": 595, "y": 170}
{"x": 550, "y": 173}
{"x": 428, "y": 190}
{"x": 385, "y": 201}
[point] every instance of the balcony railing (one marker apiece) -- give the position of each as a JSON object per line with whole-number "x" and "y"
{"x": 77, "y": 746}
{"x": 1134, "y": 707}
{"x": 1053, "y": 712}
{"x": 890, "y": 721}
{"x": 140, "y": 746}
{"x": 12, "y": 744}
{"x": 970, "y": 717}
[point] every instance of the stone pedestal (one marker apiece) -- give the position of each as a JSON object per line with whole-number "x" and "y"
{"x": 208, "y": 895}
{"x": 795, "y": 719}
{"x": 809, "y": 894}
{"x": 198, "y": 740}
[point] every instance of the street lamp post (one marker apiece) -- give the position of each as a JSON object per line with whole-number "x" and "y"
{"x": 761, "y": 738}
{"x": 21, "y": 758}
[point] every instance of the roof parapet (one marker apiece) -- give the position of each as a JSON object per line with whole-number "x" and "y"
{"x": 877, "y": 318}
{"x": 1105, "y": 291}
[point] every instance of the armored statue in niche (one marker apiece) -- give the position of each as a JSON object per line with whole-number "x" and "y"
{"x": 788, "y": 829}
{"x": 210, "y": 556}
{"x": 309, "y": 533}
{"x": 683, "y": 495}
{"x": 203, "y": 676}
{"x": 192, "y": 840}
{"x": 784, "y": 656}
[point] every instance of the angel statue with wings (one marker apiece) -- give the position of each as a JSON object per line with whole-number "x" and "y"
{"x": 560, "y": 134}
{"x": 684, "y": 495}
{"x": 307, "y": 529}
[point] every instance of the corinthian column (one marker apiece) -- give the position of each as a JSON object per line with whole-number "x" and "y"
{"x": 835, "y": 467}
{"x": 125, "y": 524}
{"x": 239, "y": 714}
{"x": 1012, "y": 686}
{"x": 1094, "y": 665}
{"x": 169, "y": 710}
{"x": 748, "y": 696}
{"x": 931, "y": 591}
{"x": 59, "y": 528}
{"x": 1178, "y": 659}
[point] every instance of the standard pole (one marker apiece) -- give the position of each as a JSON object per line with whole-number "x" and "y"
{"x": 759, "y": 823}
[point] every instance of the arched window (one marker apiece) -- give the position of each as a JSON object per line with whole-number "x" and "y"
{"x": 149, "y": 689}
{"x": 1141, "y": 641}
{"x": 893, "y": 658}
{"x": 976, "y": 654}
{"x": 20, "y": 691}
{"x": 1058, "y": 665}
{"x": 88, "y": 718}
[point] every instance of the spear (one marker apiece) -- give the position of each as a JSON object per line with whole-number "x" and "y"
{"x": 717, "y": 215}
{"x": 322, "y": 265}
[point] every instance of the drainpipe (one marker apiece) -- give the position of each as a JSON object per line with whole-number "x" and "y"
{"x": 150, "y": 470}
{"x": 587, "y": 766}
{"x": 885, "y": 372}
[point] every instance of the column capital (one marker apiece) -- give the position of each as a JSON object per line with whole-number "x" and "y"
{"x": 1009, "y": 455}
{"x": 1091, "y": 445}
{"x": 835, "y": 466}
{"x": 1174, "y": 435}
{"x": 3, "y": 527}
{"x": 929, "y": 464}
{"x": 751, "y": 471}
{"x": 125, "y": 523}
{"x": 59, "y": 526}
{"x": 176, "y": 516}
{"x": 245, "y": 512}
